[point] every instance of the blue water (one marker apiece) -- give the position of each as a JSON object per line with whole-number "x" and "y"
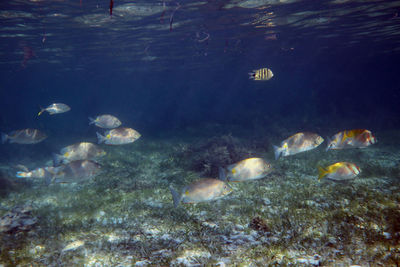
{"x": 331, "y": 68}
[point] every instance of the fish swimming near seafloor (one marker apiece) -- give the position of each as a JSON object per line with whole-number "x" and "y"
{"x": 202, "y": 190}
{"x": 339, "y": 171}
{"x": 55, "y": 108}
{"x": 105, "y": 121}
{"x": 24, "y": 136}
{"x": 45, "y": 172}
{"x": 263, "y": 74}
{"x": 297, "y": 143}
{"x": 247, "y": 169}
{"x": 77, "y": 171}
{"x": 74, "y": 171}
{"x": 119, "y": 136}
{"x": 73, "y": 246}
{"x": 79, "y": 151}
{"x": 358, "y": 138}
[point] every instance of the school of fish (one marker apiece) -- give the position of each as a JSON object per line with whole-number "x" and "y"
{"x": 78, "y": 162}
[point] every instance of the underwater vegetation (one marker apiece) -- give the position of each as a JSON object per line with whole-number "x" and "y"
{"x": 126, "y": 216}
{"x": 206, "y": 156}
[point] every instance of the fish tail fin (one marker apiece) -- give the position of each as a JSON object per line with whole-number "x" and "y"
{"x": 322, "y": 173}
{"x": 41, "y": 111}
{"x": 222, "y": 174}
{"x": 175, "y": 196}
{"x": 100, "y": 138}
{"x": 91, "y": 120}
{"x": 4, "y": 138}
{"x": 277, "y": 152}
{"x": 22, "y": 174}
{"x": 50, "y": 175}
{"x": 57, "y": 159}
{"x": 328, "y": 141}
{"x": 252, "y": 75}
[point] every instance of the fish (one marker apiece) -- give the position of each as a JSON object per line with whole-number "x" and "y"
{"x": 44, "y": 172}
{"x": 105, "y": 121}
{"x": 24, "y": 136}
{"x": 339, "y": 171}
{"x": 74, "y": 171}
{"x": 55, "y": 108}
{"x": 73, "y": 245}
{"x": 119, "y": 136}
{"x": 202, "y": 190}
{"x": 247, "y": 169}
{"x": 77, "y": 171}
{"x": 263, "y": 74}
{"x": 358, "y": 138}
{"x": 79, "y": 151}
{"x": 297, "y": 143}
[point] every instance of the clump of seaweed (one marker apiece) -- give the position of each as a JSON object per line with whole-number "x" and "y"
{"x": 257, "y": 223}
{"x": 207, "y": 156}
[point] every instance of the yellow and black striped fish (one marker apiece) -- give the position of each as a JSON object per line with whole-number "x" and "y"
{"x": 263, "y": 74}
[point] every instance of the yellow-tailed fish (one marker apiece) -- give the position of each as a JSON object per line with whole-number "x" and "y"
{"x": 339, "y": 171}
{"x": 263, "y": 74}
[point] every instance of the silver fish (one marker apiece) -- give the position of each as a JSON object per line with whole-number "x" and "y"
{"x": 55, "y": 109}
{"x": 247, "y": 169}
{"x": 45, "y": 172}
{"x": 297, "y": 143}
{"x": 119, "y": 136}
{"x": 202, "y": 190}
{"x": 76, "y": 171}
{"x": 25, "y": 136}
{"x": 105, "y": 121}
{"x": 79, "y": 151}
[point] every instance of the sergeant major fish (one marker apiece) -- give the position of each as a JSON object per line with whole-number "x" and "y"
{"x": 263, "y": 74}
{"x": 359, "y": 138}
{"x": 297, "y": 143}
{"x": 247, "y": 169}
{"x": 202, "y": 190}
{"x": 119, "y": 136}
{"x": 25, "y": 136}
{"x": 55, "y": 109}
{"x": 339, "y": 171}
{"x": 105, "y": 121}
{"x": 79, "y": 151}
